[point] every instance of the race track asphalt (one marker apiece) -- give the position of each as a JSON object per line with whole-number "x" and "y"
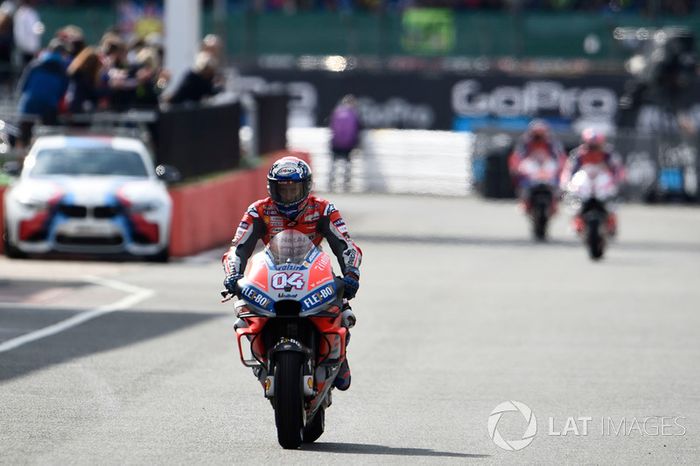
{"x": 458, "y": 311}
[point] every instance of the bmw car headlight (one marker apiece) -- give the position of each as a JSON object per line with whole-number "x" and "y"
{"x": 144, "y": 207}
{"x": 33, "y": 204}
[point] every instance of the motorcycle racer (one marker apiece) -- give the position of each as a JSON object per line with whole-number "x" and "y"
{"x": 537, "y": 141}
{"x": 593, "y": 150}
{"x": 292, "y": 206}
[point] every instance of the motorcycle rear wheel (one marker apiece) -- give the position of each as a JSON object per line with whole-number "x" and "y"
{"x": 315, "y": 428}
{"x": 289, "y": 399}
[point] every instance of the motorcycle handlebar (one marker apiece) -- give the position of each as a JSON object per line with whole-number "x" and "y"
{"x": 226, "y": 295}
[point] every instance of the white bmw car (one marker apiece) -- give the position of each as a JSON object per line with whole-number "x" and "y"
{"x": 88, "y": 195}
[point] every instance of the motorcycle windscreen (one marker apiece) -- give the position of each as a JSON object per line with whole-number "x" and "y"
{"x": 289, "y": 247}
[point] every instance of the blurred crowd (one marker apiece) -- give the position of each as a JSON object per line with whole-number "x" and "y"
{"x": 71, "y": 77}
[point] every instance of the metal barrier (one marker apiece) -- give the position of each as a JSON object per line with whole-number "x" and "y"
{"x": 393, "y": 161}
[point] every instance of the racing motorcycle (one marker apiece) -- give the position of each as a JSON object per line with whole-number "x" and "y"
{"x": 290, "y": 332}
{"x": 539, "y": 184}
{"x": 591, "y": 190}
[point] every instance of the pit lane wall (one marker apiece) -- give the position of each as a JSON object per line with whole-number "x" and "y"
{"x": 206, "y": 213}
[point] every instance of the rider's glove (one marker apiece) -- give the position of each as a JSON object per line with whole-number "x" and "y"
{"x": 231, "y": 283}
{"x": 352, "y": 283}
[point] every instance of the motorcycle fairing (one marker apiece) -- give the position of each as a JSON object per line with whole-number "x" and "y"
{"x": 256, "y": 298}
{"x": 314, "y": 283}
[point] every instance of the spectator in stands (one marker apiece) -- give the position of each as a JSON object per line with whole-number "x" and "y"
{"x": 74, "y": 38}
{"x": 113, "y": 50}
{"x": 87, "y": 90}
{"x": 345, "y": 135}
{"x": 198, "y": 83}
{"x": 149, "y": 80}
{"x": 114, "y": 59}
{"x": 42, "y": 86}
{"x": 213, "y": 45}
{"x": 155, "y": 41}
{"x": 28, "y": 30}
{"x": 136, "y": 44}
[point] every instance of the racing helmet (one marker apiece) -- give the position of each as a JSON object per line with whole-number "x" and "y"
{"x": 593, "y": 139}
{"x": 538, "y": 130}
{"x": 289, "y": 185}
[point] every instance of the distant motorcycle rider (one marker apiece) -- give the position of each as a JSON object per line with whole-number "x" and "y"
{"x": 292, "y": 206}
{"x": 593, "y": 150}
{"x": 537, "y": 141}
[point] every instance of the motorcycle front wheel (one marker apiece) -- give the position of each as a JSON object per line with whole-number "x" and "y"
{"x": 594, "y": 240}
{"x": 315, "y": 428}
{"x": 539, "y": 221}
{"x": 289, "y": 399}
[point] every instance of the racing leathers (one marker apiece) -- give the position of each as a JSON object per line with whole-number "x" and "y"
{"x": 319, "y": 219}
{"x": 583, "y": 155}
{"x": 537, "y": 148}
{"x": 528, "y": 146}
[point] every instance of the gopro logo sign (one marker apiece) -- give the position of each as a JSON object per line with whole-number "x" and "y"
{"x": 532, "y": 98}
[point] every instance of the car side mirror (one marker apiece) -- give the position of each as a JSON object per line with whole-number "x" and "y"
{"x": 168, "y": 173}
{"x": 12, "y": 168}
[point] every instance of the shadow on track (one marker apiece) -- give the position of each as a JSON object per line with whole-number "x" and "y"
{"x": 370, "y": 449}
{"x": 111, "y": 331}
{"x": 17, "y": 290}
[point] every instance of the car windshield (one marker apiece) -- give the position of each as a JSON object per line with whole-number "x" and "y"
{"x": 289, "y": 246}
{"x": 93, "y": 161}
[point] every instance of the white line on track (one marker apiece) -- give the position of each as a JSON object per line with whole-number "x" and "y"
{"x": 136, "y": 295}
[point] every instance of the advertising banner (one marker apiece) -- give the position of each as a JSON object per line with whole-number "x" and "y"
{"x": 447, "y": 101}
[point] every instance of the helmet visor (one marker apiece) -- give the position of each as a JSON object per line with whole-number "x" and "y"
{"x": 287, "y": 192}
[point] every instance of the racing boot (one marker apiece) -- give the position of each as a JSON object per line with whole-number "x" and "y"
{"x": 344, "y": 377}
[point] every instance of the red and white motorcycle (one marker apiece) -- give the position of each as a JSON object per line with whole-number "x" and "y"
{"x": 290, "y": 332}
{"x": 590, "y": 192}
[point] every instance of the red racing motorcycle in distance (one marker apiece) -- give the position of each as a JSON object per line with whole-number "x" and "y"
{"x": 290, "y": 332}
{"x": 539, "y": 178}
